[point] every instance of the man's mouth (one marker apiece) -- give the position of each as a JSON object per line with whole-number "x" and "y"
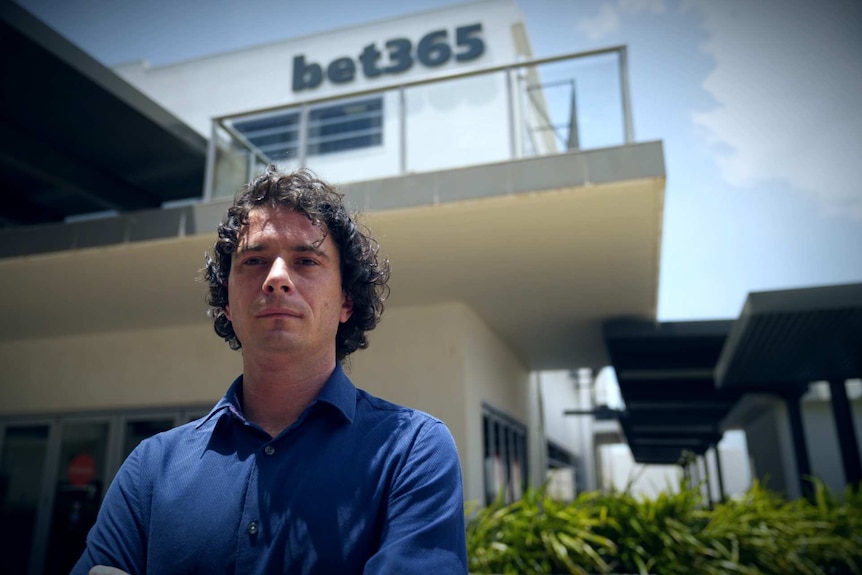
{"x": 278, "y": 312}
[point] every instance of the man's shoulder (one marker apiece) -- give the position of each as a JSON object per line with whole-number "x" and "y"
{"x": 377, "y": 404}
{"x": 179, "y": 437}
{"x": 374, "y": 409}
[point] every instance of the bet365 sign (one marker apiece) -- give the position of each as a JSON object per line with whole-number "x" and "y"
{"x": 434, "y": 49}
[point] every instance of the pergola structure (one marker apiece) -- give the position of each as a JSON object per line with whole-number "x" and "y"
{"x": 783, "y": 340}
{"x": 679, "y": 380}
{"x": 665, "y": 373}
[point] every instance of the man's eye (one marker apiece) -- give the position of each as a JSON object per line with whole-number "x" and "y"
{"x": 253, "y": 261}
{"x": 307, "y": 262}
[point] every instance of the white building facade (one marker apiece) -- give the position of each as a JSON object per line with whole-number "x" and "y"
{"x": 515, "y": 207}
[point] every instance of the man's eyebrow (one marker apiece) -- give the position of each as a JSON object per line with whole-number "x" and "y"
{"x": 300, "y": 248}
{"x": 310, "y": 248}
{"x": 242, "y": 248}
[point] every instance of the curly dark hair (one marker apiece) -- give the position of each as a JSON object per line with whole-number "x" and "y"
{"x": 364, "y": 276}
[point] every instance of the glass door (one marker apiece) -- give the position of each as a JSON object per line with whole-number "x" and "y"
{"x": 79, "y": 485}
{"x": 22, "y": 466}
{"x": 53, "y": 475}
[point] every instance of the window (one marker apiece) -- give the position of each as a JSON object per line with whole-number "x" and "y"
{"x": 22, "y": 465}
{"x": 331, "y": 128}
{"x": 277, "y": 136}
{"x": 344, "y": 127}
{"x": 505, "y": 456}
{"x": 53, "y": 474}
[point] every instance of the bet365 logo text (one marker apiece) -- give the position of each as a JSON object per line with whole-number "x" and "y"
{"x": 434, "y": 49}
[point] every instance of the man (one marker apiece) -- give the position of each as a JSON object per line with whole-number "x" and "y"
{"x": 294, "y": 470}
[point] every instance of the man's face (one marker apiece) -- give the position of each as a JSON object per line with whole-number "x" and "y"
{"x": 284, "y": 288}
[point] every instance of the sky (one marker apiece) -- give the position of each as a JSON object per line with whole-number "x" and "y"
{"x": 756, "y": 103}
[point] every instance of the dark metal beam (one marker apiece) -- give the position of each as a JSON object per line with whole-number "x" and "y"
{"x": 708, "y": 477}
{"x": 60, "y": 170}
{"x": 797, "y": 432}
{"x": 719, "y": 474}
{"x": 846, "y": 433}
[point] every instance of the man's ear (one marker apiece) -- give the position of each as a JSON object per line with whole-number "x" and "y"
{"x": 346, "y": 308}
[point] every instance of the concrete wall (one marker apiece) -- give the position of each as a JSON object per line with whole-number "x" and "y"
{"x": 442, "y": 359}
{"x": 262, "y": 76}
{"x": 415, "y": 359}
{"x": 619, "y": 472}
{"x": 772, "y": 451}
{"x": 494, "y": 375}
{"x": 559, "y": 392}
{"x": 771, "y": 448}
{"x": 735, "y": 465}
{"x": 824, "y": 451}
{"x": 821, "y": 436}
{"x": 169, "y": 366}
{"x": 448, "y": 124}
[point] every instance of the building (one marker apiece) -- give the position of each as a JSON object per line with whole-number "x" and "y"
{"x": 493, "y": 199}
{"x": 520, "y": 215}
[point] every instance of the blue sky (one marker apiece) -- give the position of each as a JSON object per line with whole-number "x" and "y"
{"x": 757, "y": 103}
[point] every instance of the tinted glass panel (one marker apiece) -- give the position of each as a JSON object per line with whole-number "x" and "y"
{"x": 79, "y": 489}
{"x": 21, "y": 470}
{"x": 137, "y": 431}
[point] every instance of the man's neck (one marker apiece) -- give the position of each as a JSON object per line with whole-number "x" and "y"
{"x": 276, "y": 390}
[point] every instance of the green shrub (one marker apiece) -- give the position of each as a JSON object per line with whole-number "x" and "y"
{"x": 758, "y": 534}
{"x": 536, "y": 535}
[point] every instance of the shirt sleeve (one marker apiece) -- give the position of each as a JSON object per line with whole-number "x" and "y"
{"x": 118, "y": 538}
{"x": 424, "y": 531}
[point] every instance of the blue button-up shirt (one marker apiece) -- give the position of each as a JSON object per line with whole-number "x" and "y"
{"x": 355, "y": 485}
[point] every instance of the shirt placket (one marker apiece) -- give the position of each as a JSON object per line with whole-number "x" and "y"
{"x": 250, "y": 536}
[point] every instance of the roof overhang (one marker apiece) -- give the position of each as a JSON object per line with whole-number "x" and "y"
{"x": 785, "y": 339}
{"x": 684, "y": 383}
{"x": 543, "y": 266}
{"x": 666, "y": 377}
{"x": 77, "y": 139}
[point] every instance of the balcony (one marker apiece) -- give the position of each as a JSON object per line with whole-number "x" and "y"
{"x": 526, "y": 110}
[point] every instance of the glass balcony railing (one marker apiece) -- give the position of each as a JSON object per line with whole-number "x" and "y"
{"x": 540, "y": 107}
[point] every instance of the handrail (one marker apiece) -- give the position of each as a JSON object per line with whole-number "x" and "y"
{"x": 433, "y": 80}
{"x": 512, "y": 71}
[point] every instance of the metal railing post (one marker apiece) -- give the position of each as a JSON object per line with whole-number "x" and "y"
{"x": 209, "y": 169}
{"x": 518, "y": 130}
{"x": 250, "y": 163}
{"x": 510, "y": 104}
{"x": 402, "y": 126}
{"x": 303, "y": 135}
{"x": 626, "y": 96}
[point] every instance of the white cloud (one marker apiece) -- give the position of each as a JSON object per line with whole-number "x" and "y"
{"x": 607, "y": 20}
{"x": 638, "y": 6}
{"x": 787, "y": 83}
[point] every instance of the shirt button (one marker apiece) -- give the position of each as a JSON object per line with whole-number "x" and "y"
{"x": 269, "y": 449}
{"x": 252, "y": 528}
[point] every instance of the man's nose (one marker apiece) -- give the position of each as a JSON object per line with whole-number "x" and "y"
{"x": 278, "y": 278}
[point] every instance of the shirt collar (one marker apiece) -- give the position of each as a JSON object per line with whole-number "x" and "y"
{"x": 338, "y": 391}
{"x": 228, "y": 403}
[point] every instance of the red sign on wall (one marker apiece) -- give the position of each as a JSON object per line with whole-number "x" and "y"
{"x": 82, "y": 470}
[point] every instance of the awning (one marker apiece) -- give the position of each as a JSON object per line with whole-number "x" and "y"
{"x": 76, "y": 139}
{"x": 666, "y": 376}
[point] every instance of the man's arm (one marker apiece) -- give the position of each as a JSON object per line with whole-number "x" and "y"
{"x": 424, "y": 530}
{"x": 118, "y": 537}
{"x": 103, "y": 570}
